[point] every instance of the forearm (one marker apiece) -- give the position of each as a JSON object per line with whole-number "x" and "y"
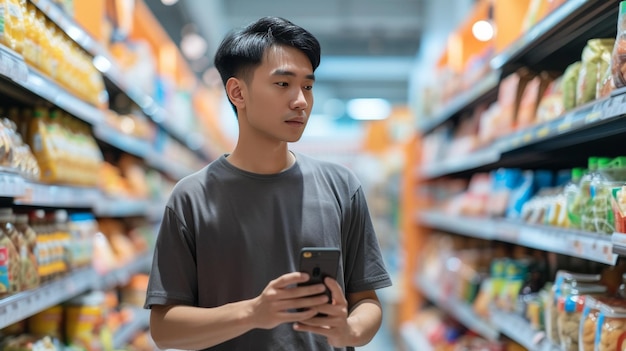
{"x": 194, "y": 328}
{"x": 364, "y": 320}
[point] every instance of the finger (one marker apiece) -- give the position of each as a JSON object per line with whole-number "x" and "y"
{"x": 308, "y": 290}
{"x": 302, "y": 302}
{"x": 335, "y": 291}
{"x": 288, "y": 279}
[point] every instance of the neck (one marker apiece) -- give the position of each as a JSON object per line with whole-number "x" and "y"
{"x": 262, "y": 160}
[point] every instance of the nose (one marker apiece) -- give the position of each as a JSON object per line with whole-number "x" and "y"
{"x": 300, "y": 102}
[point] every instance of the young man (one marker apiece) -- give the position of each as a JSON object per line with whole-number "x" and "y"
{"x": 225, "y": 268}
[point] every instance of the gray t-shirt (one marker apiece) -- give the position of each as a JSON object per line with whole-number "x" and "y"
{"x": 226, "y": 233}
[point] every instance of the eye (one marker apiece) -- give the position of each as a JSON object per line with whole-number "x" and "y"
{"x": 282, "y": 84}
{"x": 308, "y": 87}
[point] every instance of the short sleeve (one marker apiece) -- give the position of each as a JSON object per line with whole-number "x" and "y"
{"x": 364, "y": 268}
{"x": 173, "y": 274}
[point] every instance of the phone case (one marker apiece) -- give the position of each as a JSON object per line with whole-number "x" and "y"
{"x": 319, "y": 263}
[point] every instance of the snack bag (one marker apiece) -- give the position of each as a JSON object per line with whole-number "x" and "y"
{"x": 618, "y": 65}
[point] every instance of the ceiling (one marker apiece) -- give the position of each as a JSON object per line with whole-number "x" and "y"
{"x": 370, "y": 49}
{"x": 368, "y": 46}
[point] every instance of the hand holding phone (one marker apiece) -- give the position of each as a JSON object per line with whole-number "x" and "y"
{"x": 319, "y": 263}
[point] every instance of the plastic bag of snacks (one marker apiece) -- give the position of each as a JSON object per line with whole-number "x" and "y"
{"x": 611, "y": 331}
{"x": 618, "y": 64}
{"x": 562, "y": 286}
{"x": 570, "y": 308}
{"x": 589, "y": 320}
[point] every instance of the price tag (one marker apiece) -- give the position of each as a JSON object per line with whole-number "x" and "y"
{"x": 543, "y": 132}
{"x": 564, "y": 127}
{"x": 527, "y": 137}
{"x": 592, "y": 117}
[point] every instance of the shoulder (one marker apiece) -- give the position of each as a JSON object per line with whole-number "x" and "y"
{"x": 331, "y": 171}
{"x": 193, "y": 187}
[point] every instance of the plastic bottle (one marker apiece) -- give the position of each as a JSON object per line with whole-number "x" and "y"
{"x": 585, "y": 193}
{"x": 600, "y": 198}
{"x": 572, "y": 198}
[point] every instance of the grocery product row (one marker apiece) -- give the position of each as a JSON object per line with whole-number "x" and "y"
{"x": 53, "y": 256}
{"x": 541, "y": 300}
{"x": 92, "y": 320}
{"x": 572, "y": 212}
{"x": 130, "y": 132}
{"x": 545, "y": 36}
{"x": 137, "y": 85}
{"x": 532, "y": 106}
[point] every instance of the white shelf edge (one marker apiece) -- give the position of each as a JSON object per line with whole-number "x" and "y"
{"x": 483, "y": 157}
{"x": 459, "y": 310}
{"x": 25, "y": 304}
{"x": 107, "y": 207}
{"x": 518, "y": 329}
{"x": 591, "y": 246}
{"x": 474, "y": 227}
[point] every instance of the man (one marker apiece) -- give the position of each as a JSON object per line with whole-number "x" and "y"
{"x": 225, "y": 271}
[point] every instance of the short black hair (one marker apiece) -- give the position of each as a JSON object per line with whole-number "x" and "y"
{"x": 243, "y": 50}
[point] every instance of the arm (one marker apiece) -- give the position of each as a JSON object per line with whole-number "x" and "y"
{"x": 349, "y": 322}
{"x": 193, "y": 328}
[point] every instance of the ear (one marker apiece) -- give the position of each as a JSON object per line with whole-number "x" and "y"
{"x": 234, "y": 90}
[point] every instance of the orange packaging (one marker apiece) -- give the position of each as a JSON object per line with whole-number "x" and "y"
{"x": 509, "y": 97}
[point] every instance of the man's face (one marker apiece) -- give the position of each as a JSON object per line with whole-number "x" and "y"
{"x": 279, "y": 97}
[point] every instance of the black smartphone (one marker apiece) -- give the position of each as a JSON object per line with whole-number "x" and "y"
{"x": 319, "y": 263}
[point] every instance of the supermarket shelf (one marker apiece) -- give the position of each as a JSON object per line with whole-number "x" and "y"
{"x": 461, "y": 102}
{"x": 61, "y": 196}
{"x": 127, "y": 143}
{"x": 25, "y": 304}
{"x": 113, "y": 72}
{"x": 126, "y": 333}
{"x": 591, "y": 246}
{"x": 121, "y": 276}
{"x": 483, "y": 157}
{"x": 108, "y": 207}
{"x": 475, "y": 227}
{"x": 413, "y": 338}
{"x": 536, "y": 34}
{"x": 591, "y": 122}
{"x": 11, "y": 184}
{"x": 462, "y": 312}
{"x": 519, "y": 330}
{"x": 13, "y": 67}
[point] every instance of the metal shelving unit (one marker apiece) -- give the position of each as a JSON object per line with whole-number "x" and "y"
{"x": 595, "y": 247}
{"x": 22, "y": 305}
{"x": 462, "y": 312}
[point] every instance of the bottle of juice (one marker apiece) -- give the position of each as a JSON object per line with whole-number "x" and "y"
{"x": 42, "y": 146}
{"x": 31, "y": 47}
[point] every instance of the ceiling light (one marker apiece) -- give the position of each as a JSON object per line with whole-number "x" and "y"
{"x": 169, "y": 2}
{"x": 368, "y": 109}
{"x": 193, "y": 46}
{"x": 483, "y": 30}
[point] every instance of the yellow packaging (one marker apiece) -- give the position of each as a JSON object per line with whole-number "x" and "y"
{"x": 47, "y": 322}
{"x": 42, "y": 146}
{"x": 31, "y": 48}
{"x": 85, "y": 321}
